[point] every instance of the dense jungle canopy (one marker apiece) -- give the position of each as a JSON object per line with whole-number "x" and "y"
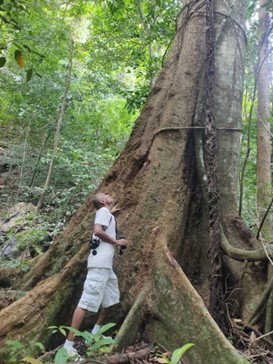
{"x": 167, "y": 105}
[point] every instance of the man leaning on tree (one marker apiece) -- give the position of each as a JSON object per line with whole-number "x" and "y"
{"x": 100, "y": 289}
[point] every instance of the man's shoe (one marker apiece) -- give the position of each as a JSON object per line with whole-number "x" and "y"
{"x": 72, "y": 352}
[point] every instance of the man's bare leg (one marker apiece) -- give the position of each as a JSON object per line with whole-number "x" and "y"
{"x": 77, "y": 320}
{"x": 100, "y": 319}
{"x": 102, "y": 315}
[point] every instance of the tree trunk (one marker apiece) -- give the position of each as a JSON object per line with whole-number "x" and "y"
{"x": 264, "y": 188}
{"x": 58, "y": 129}
{"x": 160, "y": 183}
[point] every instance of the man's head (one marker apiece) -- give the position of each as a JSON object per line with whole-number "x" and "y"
{"x": 102, "y": 199}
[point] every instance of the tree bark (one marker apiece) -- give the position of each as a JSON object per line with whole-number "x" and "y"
{"x": 264, "y": 188}
{"x": 159, "y": 181}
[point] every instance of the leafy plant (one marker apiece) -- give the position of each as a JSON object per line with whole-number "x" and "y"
{"x": 176, "y": 355}
{"x": 14, "y": 350}
{"x": 61, "y": 357}
{"x": 94, "y": 342}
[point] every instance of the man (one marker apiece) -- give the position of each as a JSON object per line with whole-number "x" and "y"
{"x": 101, "y": 285}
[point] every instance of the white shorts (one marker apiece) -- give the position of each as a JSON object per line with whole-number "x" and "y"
{"x": 100, "y": 289}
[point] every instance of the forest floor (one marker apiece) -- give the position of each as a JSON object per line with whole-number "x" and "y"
{"x": 142, "y": 352}
{"x": 138, "y": 353}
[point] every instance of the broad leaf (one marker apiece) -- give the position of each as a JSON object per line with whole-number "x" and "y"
{"x": 178, "y": 353}
{"x": 16, "y": 344}
{"x": 29, "y": 74}
{"x": 31, "y": 360}
{"x": 100, "y": 343}
{"x": 61, "y": 356}
{"x": 2, "y": 61}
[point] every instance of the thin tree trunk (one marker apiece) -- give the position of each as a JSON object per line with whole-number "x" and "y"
{"x": 264, "y": 188}
{"x": 39, "y": 158}
{"x": 58, "y": 129}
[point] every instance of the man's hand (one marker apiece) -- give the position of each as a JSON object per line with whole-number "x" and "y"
{"x": 122, "y": 242}
{"x": 115, "y": 209}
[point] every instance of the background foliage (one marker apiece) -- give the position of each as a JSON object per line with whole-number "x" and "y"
{"x": 119, "y": 48}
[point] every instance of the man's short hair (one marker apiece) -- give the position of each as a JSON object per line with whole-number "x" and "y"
{"x": 97, "y": 201}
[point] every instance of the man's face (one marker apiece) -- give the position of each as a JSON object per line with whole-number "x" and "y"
{"x": 107, "y": 199}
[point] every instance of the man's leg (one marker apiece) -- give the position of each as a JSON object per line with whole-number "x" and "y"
{"x": 100, "y": 319}
{"x": 77, "y": 320}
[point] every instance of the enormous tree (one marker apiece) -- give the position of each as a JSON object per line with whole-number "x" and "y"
{"x": 174, "y": 206}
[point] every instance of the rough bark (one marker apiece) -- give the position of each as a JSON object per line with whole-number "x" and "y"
{"x": 159, "y": 180}
{"x": 264, "y": 188}
{"x": 263, "y": 126}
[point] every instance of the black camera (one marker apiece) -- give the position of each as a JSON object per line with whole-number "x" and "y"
{"x": 94, "y": 243}
{"x": 119, "y": 235}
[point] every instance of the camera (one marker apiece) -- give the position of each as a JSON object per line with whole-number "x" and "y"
{"x": 119, "y": 235}
{"x": 94, "y": 243}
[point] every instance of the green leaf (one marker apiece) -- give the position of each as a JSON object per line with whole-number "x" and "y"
{"x": 29, "y": 74}
{"x": 106, "y": 327}
{"x": 16, "y": 344}
{"x": 32, "y": 360}
{"x": 27, "y": 47}
{"x": 62, "y": 331}
{"x": 2, "y": 61}
{"x": 100, "y": 343}
{"x": 5, "y": 20}
{"x": 178, "y": 353}
{"x": 40, "y": 346}
{"x": 61, "y": 356}
{"x": 163, "y": 360}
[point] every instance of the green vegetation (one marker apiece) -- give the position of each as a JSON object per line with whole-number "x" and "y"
{"x": 15, "y": 351}
{"x": 118, "y": 51}
{"x": 96, "y": 345}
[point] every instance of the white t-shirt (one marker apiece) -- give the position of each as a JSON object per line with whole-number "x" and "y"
{"x": 105, "y": 251}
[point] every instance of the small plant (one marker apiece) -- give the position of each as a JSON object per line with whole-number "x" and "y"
{"x": 95, "y": 343}
{"x": 176, "y": 355}
{"x": 14, "y": 350}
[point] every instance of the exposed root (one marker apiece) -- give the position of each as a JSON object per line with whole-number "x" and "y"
{"x": 131, "y": 354}
{"x": 129, "y": 329}
{"x": 260, "y": 307}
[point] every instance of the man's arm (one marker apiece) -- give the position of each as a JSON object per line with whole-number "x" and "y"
{"x": 100, "y": 233}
